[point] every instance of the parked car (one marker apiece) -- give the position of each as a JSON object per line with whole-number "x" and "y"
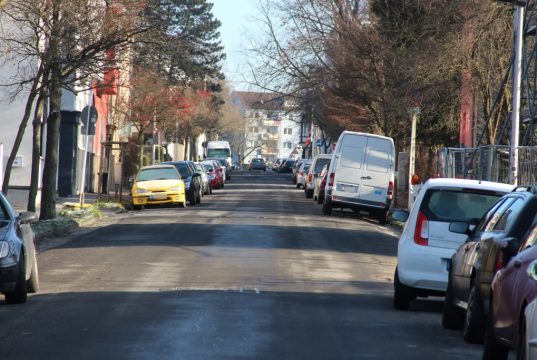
{"x": 427, "y": 241}
{"x": 215, "y": 174}
{"x": 206, "y": 186}
{"x": 302, "y": 173}
{"x": 320, "y": 186}
{"x": 296, "y": 168}
{"x": 18, "y": 262}
{"x": 528, "y": 335}
{"x": 257, "y": 164}
{"x": 513, "y": 287}
{"x": 313, "y": 173}
{"x": 193, "y": 182}
{"x": 224, "y": 167}
{"x": 158, "y": 184}
{"x": 474, "y": 264}
{"x": 361, "y": 175}
{"x": 276, "y": 164}
{"x": 287, "y": 166}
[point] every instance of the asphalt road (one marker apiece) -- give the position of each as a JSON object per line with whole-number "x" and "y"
{"x": 255, "y": 271}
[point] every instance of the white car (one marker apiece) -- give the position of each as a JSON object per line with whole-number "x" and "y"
{"x": 427, "y": 244}
{"x": 302, "y": 173}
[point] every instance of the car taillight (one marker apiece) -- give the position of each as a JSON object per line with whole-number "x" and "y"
{"x": 331, "y": 179}
{"x": 310, "y": 176}
{"x": 499, "y": 262}
{"x": 323, "y": 183}
{"x": 421, "y": 234}
{"x": 301, "y": 173}
{"x": 390, "y": 189}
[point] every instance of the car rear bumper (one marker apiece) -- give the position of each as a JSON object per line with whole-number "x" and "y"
{"x": 171, "y": 197}
{"x": 424, "y": 267}
{"x": 357, "y": 204}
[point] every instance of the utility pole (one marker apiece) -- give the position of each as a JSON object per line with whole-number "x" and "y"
{"x": 517, "y": 80}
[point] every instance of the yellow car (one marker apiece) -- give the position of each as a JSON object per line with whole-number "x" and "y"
{"x": 158, "y": 184}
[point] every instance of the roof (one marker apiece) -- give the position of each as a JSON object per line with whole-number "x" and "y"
{"x": 473, "y": 184}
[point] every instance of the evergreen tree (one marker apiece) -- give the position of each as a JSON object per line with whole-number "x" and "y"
{"x": 185, "y": 45}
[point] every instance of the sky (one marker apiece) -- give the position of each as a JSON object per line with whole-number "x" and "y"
{"x": 239, "y": 27}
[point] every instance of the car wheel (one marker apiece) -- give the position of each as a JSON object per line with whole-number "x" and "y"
{"x": 20, "y": 294}
{"x": 210, "y": 188}
{"x": 493, "y": 349}
{"x": 32, "y": 284}
{"x": 200, "y": 194}
{"x": 183, "y": 204}
{"x": 297, "y": 185}
{"x": 327, "y": 208}
{"x": 192, "y": 201}
{"x": 136, "y": 207}
{"x": 315, "y": 197}
{"x": 474, "y": 320}
{"x": 309, "y": 194}
{"x": 452, "y": 316}
{"x": 382, "y": 217}
{"x": 402, "y": 294}
{"x": 522, "y": 341}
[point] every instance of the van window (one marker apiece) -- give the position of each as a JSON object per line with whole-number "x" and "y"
{"x": 352, "y": 157}
{"x": 352, "y": 151}
{"x": 453, "y": 205}
{"x": 378, "y": 155}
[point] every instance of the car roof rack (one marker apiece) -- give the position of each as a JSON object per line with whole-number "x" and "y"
{"x": 529, "y": 188}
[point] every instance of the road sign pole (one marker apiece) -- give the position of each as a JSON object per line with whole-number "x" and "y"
{"x": 83, "y": 180}
{"x": 517, "y": 80}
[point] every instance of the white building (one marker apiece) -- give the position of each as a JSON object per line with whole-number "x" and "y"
{"x": 273, "y": 125}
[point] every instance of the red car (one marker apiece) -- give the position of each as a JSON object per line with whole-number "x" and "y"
{"x": 215, "y": 174}
{"x": 513, "y": 287}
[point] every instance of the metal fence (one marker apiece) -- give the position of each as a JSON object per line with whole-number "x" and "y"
{"x": 489, "y": 163}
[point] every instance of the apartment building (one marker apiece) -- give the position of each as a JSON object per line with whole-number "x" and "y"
{"x": 272, "y": 126}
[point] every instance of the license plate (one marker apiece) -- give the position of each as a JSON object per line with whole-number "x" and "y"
{"x": 347, "y": 188}
{"x": 159, "y": 196}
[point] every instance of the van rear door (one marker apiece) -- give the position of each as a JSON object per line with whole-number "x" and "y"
{"x": 377, "y": 170}
{"x": 349, "y": 166}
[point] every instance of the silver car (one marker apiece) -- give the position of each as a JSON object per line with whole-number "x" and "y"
{"x": 302, "y": 173}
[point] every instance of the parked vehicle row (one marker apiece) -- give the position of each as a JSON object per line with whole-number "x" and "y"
{"x": 359, "y": 175}
{"x": 474, "y": 242}
{"x": 176, "y": 182}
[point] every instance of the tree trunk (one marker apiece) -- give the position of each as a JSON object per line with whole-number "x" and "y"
{"x": 141, "y": 143}
{"x": 22, "y": 129}
{"x": 36, "y": 151}
{"x": 50, "y": 172}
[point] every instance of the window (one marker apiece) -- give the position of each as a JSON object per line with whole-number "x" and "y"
{"x": 288, "y": 131}
{"x": 531, "y": 239}
{"x": 453, "y": 205}
{"x": 493, "y": 220}
{"x": 509, "y": 216}
{"x": 288, "y": 145}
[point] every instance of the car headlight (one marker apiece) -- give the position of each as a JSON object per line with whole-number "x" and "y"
{"x": 175, "y": 188}
{"x": 142, "y": 191}
{"x": 4, "y": 249}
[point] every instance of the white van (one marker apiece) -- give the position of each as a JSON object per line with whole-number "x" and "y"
{"x": 361, "y": 174}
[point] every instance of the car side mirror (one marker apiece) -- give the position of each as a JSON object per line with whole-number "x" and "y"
{"x": 508, "y": 248}
{"x": 459, "y": 227}
{"x": 400, "y": 215}
{"x": 27, "y": 217}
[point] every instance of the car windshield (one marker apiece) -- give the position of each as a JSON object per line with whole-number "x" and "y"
{"x": 257, "y": 160}
{"x": 463, "y": 205}
{"x": 218, "y": 153}
{"x": 183, "y": 169}
{"x": 157, "y": 174}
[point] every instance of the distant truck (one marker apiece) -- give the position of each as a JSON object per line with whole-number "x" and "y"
{"x": 220, "y": 150}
